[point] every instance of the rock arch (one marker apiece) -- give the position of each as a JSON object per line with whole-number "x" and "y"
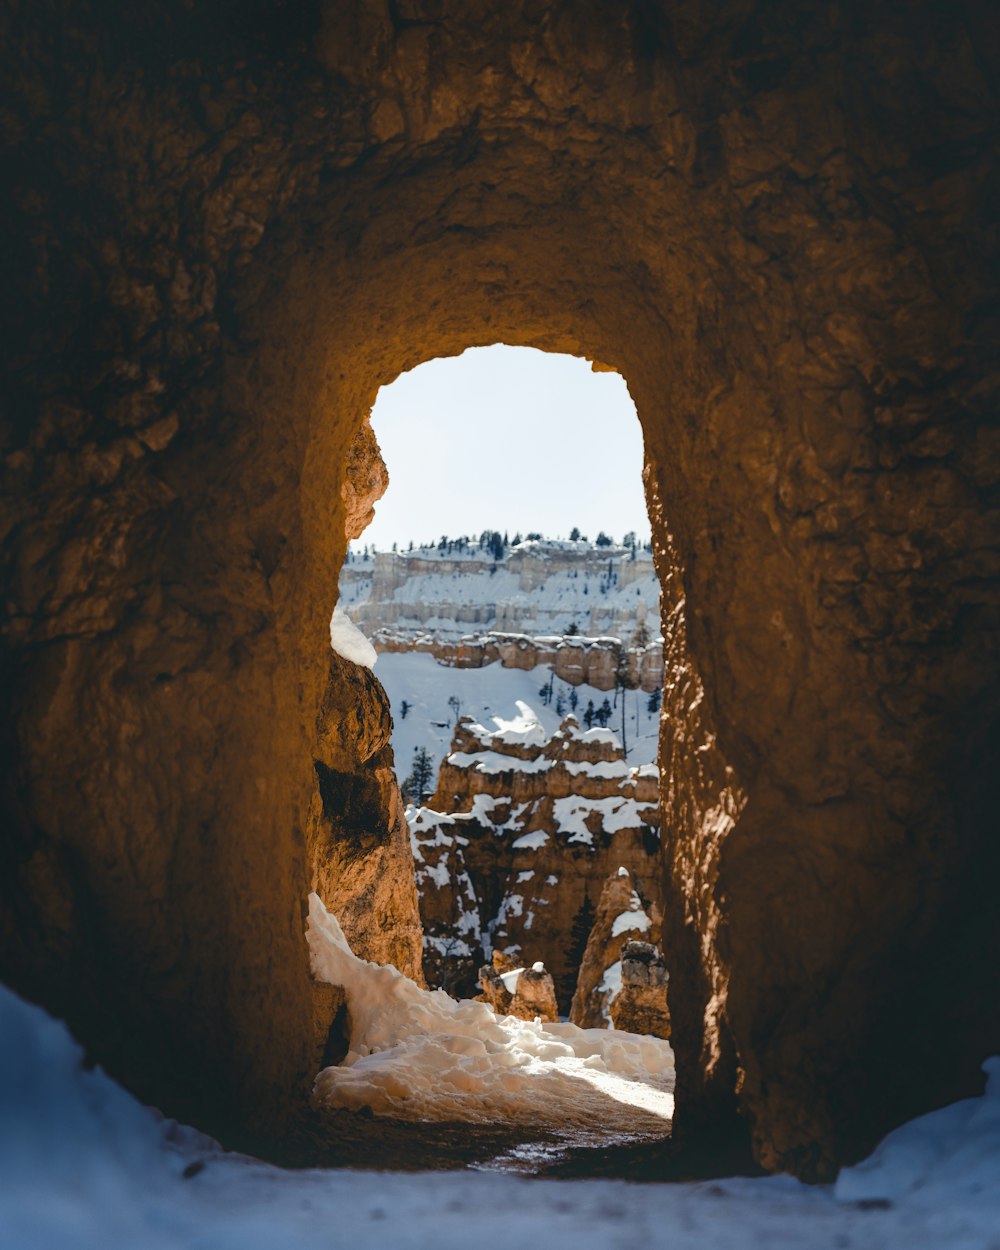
{"x": 228, "y": 231}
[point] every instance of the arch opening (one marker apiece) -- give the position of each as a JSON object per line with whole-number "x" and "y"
{"x": 521, "y": 658}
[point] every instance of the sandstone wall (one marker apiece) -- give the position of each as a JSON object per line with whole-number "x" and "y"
{"x": 226, "y": 226}
{"x": 516, "y": 837}
{"x": 357, "y": 837}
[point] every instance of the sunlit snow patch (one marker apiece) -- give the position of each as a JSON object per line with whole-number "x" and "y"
{"x": 347, "y": 640}
{"x": 525, "y": 727}
{"x": 420, "y": 1055}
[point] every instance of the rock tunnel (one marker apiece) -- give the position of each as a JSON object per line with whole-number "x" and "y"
{"x": 228, "y": 225}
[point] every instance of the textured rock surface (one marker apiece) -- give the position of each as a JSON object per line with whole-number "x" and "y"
{"x": 528, "y": 993}
{"x": 640, "y": 1006}
{"x": 357, "y": 836}
{"x": 622, "y": 916}
{"x": 225, "y": 226}
{"x": 365, "y": 480}
{"x": 516, "y": 840}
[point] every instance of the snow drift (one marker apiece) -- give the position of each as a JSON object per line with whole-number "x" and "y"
{"x": 420, "y": 1055}
{"x": 84, "y": 1167}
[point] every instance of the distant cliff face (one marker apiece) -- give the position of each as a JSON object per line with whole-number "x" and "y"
{"x": 538, "y": 588}
{"x": 576, "y": 660}
{"x": 514, "y": 846}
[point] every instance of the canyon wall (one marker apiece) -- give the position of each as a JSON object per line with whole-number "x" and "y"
{"x": 540, "y": 586}
{"x": 514, "y": 846}
{"x": 226, "y": 226}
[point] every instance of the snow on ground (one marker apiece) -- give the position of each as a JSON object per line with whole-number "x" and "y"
{"x": 611, "y": 984}
{"x": 485, "y": 693}
{"x": 633, "y": 920}
{"x": 418, "y": 1054}
{"x": 524, "y": 729}
{"x": 84, "y": 1167}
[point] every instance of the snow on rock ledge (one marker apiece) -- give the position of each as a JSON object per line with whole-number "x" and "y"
{"x": 347, "y": 640}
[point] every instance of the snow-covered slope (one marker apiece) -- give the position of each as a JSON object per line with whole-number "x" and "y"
{"x": 541, "y": 588}
{"x": 537, "y": 587}
{"x": 426, "y": 687}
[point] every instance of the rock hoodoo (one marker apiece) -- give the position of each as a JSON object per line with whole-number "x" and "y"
{"x": 621, "y": 917}
{"x": 226, "y": 225}
{"x": 514, "y": 990}
{"x": 640, "y": 1006}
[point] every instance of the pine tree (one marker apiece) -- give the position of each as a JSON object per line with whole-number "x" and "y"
{"x": 573, "y": 630}
{"x": 653, "y": 702}
{"x": 623, "y": 681}
{"x": 418, "y": 785}
{"x": 404, "y": 707}
{"x": 574, "y": 699}
{"x": 579, "y": 933}
{"x": 589, "y": 714}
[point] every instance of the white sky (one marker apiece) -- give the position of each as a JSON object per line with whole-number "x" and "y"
{"x": 507, "y": 438}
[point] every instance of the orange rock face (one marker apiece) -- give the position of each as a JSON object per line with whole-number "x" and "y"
{"x": 622, "y": 916}
{"x": 222, "y": 235}
{"x": 358, "y": 839}
{"x": 576, "y": 661}
{"x": 640, "y": 1006}
{"x": 511, "y": 989}
{"x": 518, "y": 837}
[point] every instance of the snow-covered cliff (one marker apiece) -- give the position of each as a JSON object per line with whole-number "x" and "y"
{"x": 542, "y": 586}
{"x": 524, "y": 827}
